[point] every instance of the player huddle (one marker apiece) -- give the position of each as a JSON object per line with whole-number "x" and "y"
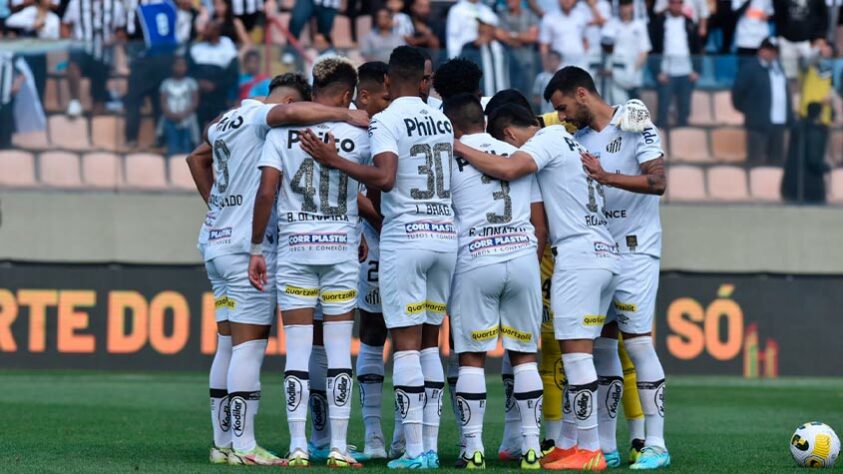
{"x": 433, "y": 213}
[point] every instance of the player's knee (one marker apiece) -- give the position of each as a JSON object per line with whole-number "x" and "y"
{"x": 472, "y": 359}
{"x": 518, "y": 358}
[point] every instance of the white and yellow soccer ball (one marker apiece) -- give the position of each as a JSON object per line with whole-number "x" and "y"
{"x": 815, "y": 444}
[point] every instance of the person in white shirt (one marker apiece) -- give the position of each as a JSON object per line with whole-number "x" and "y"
{"x": 631, "y": 45}
{"x": 461, "y": 27}
{"x": 496, "y": 289}
{"x": 584, "y": 277}
{"x": 563, "y": 31}
{"x": 37, "y": 18}
{"x": 224, "y": 168}
{"x": 753, "y": 24}
{"x": 630, "y": 168}
{"x": 412, "y": 156}
{"x": 318, "y": 255}
{"x": 696, "y": 10}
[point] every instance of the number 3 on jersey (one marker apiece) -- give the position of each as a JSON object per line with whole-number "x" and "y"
{"x": 432, "y": 169}
{"x": 302, "y": 183}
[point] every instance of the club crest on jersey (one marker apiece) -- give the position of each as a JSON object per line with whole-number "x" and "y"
{"x": 615, "y": 145}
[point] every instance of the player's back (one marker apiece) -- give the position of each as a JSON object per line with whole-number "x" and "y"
{"x": 633, "y": 218}
{"x": 236, "y": 140}
{"x": 317, "y": 205}
{"x": 492, "y": 216}
{"x": 573, "y": 202}
{"x": 417, "y": 210}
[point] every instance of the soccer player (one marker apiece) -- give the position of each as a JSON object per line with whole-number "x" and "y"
{"x": 244, "y": 316}
{"x": 582, "y": 286}
{"x": 412, "y": 153}
{"x": 317, "y": 243}
{"x": 496, "y": 288}
{"x": 630, "y": 169}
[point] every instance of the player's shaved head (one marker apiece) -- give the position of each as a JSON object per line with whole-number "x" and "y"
{"x": 568, "y": 80}
{"x": 334, "y": 77}
{"x": 511, "y": 116}
{"x": 457, "y": 76}
{"x": 289, "y": 87}
{"x": 406, "y": 65}
{"x": 465, "y": 113}
{"x": 506, "y": 96}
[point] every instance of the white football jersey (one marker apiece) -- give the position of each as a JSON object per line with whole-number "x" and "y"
{"x": 573, "y": 202}
{"x": 417, "y": 211}
{"x": 633, "y": 217}
{"x": 492, "y": 216}
{"x": 237, "y": 139}
{"x": 317, "y": 206}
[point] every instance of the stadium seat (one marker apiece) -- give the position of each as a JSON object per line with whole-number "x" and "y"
{"x": 31, "y": 140}
{"x": 727, "y": 183}
{"x": 724, "y": 112}
{"x": 341, "y": 34}
{"x": 145, "y": 171}
{"x": 765, "y": 183}
{"x": 69, "y": 133}
{"x": 17, "y": 169}
{"x": 107, "y": 132}
{"x": 835, "y": 191}
{"x": 689, "y": 145}
{"x": 180, "y": 177}
{"x": 729, "y": 144}
{"x": 59, "y": 169}
{"x": 685, "y": 183}
{"x": 102, "y": 170}
{"x": 701, "y": 109}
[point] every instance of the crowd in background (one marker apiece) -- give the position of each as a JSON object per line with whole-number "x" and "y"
{"x": 201, "y": 57}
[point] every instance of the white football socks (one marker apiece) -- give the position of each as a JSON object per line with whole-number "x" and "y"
{"x": 636, "y": 428}
{"x": 553, "y": 431}
{"x": 434, "y": 384}
{"x": 471, "y": 407}
{"x": 337, "y": 339}
{"x": 370, "y": 372}
{"x": 528, "y": 394}
{"x": 609, "y": 391}
{"x": 299, "y": 339}
{"x": 409, "y": 398}
{"x": 320, "y": 431}
{"x": 511, "y": 418}
{"x": 244, "y": 391}
{"x": 651, "y": 387}
{"x": 218, "y": 383}
{"x": 568, "y": 432}
{"x": 582, "y": 385}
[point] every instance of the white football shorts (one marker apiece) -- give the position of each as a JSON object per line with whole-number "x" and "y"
{"x": 236, "y": 300}
{"x": 634, "y": 302}
{"x": 370, "y": 296}
{"x": 579, "y": 300}
{"x": 415, "y": 286}
{"x": 500, "y": 299}
{"x": 334, "y": 286}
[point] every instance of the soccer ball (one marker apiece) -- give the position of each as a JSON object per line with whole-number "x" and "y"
{"x": 815, "y": 444}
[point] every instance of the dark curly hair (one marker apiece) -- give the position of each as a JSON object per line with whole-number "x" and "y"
{"x": 296, "y": 82}
{"x": 457, "y": 76}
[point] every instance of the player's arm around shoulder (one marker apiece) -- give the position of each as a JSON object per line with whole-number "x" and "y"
{"x": 507, "y": 169}
{"x": 309, "y": 113}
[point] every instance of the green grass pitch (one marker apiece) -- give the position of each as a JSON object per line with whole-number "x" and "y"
{"x": 68, "y": 422}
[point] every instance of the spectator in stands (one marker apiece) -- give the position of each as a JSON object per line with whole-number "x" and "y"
{"x": 214, "y": 66}
{"x": 253, "y": 83}
{"x": 631, "y": 46}
{"x": 805, "y": 169}
{"x": 11, "y": 81}
{"x": 94, "y": 59}
{"x": 816, "y": 82}
{"x": 551, "y": 62}
{"x": 232, "y": 26}
{"x": 519, "y": 31}
{"x": 179, "y": 100}
{"x": 402, "y": 24}
{"x": 563, "y": 31}
{"x": 462, "y": 24}
{"x": 489, "y": 54}
{"x": 378, "y": 44}
{"x": 323, "y": 10}
{"x": 753, "y": 24}
{"x": 428, "y": 33}
{"x": 761, "y": 92}
{"x": 36, "y": 19}
{"x": 697, "y": 10}
{"x": 675, "y": 39}
{"x": 186, "y": 19}
{"x": 799, "y": 23}
{"x": 5, "y": 11}
{"x": 598, "y": 12}
{"x": 252, "y": 13}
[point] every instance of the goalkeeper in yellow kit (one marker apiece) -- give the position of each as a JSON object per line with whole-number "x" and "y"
{"x": 560, "y": 426}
